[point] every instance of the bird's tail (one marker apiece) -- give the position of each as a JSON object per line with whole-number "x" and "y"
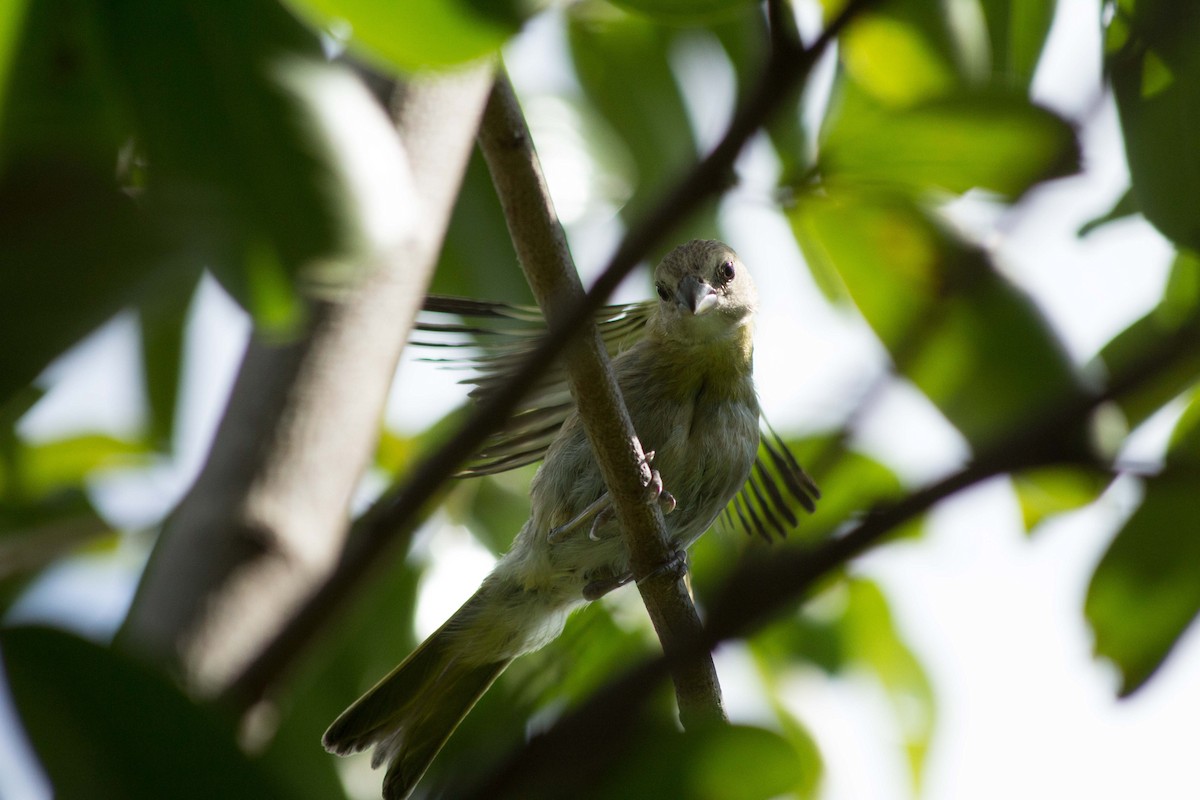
{"x": 411, "y": 713}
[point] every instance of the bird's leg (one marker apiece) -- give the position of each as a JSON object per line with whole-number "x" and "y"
{"x": 600, "y": 506}
{"x": 600, "y": 511}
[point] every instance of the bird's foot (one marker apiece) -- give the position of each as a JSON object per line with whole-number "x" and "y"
{"x": 676, "y": 566}
{"x": 655, "y": 491}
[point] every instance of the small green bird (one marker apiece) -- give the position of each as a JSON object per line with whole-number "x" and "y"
{"x": 686, "y": 377}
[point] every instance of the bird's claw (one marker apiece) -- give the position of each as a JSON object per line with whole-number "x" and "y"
{"x": 600, "y": 511}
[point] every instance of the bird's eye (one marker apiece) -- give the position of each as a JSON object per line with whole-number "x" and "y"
{"x": 663, "y": 293}
{"x": 725, "y": 272}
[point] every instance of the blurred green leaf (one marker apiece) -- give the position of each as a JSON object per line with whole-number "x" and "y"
{"x": 872, "y": 638}
{"x": 1154, "y": 66}
{"x": 497, "y": 507}
{"x": 742, "y": 36}
{"x": 706, "y": 764}
{"x": 232, "y": 110}
{"x": 1126, "y": 206}
{"x": 1049, "y": 491}
{"x": 806, "y": 638}
{"x": 808, "y": 755}
{"x": 622, "y": 64}
{"x": 478, "y": 259}
{"x": 901, "y": 52}
{"x": 105, "y": 726}
{"x": 418, "y": 34}
{"x": 64, "y": 463}
{"x": 1146, "y": 590}
{"x": 1017, "y": 31}
{"x": 163, "y": 320}
{"x": 852, "y": 483}
{"x": 996, "y": 142}
{"x": 11, "y": 19}
{"x": 685, "y": 11}
{"x": 75, "y": 248}
{"x": 1179, "y": 307}
{"x": 970, "y": 340}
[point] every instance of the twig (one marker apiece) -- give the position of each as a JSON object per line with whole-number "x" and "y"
{"x": 546, "y": 259}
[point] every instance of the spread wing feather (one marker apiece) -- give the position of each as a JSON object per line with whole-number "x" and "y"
{"x": 493, "y": 338}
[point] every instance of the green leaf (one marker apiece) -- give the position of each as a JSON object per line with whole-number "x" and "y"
{"x": 872, "y": 638}
{"x": 622, "y": 64}
{"x": 163, "y": 319}
{"x": 1049, "y": 491}
{"x": 902, "y": 52}
{"x": 63, "y": 463}
{"x": 1017, "y": 31}
{"x": 105, "y": 726}
{"x": 970, "y": 340}
{"x": 76, "y": 249}
{"x": 1154, "y": 67}
{"x": 1000, "y": 143}
{"x": 478, "y": 259}
{"x": 1126, "y": 206}
{"x": 1179, "y": 307}
{"x": 11, "y": 19}
{"x": 233, "y": 109}
{"x": 418, "y": 34}
{"x": 1146, "y": 590}
{"x": 709, "y": 763}
{"x": 685, "y": 11}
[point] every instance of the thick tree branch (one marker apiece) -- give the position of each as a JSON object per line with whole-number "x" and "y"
{"x": 395, "y": 515}
{"x": 546, "y": 259}
{"x": 585, "y": 741}
{"x": 265, "y": 521}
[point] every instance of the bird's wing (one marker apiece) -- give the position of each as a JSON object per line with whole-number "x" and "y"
{"x": 778, "y": 487}
{"x": 490, "y": 339}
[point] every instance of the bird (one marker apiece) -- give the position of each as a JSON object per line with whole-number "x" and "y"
{"x": 684, "y": 365}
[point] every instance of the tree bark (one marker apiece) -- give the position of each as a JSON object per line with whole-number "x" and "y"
{"x": 266, "y": 520}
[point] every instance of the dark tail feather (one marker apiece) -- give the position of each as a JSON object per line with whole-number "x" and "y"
{"x": 411, "y": 713}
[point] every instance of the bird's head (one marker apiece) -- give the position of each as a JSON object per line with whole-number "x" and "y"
{"x": 704, "y": 291}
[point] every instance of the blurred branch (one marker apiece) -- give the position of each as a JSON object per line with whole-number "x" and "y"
{"x": 546, "y": 259}
{"x": 584, "y": 742}
{"x": 265, "y": 521}
{"x": 396, "y": 514}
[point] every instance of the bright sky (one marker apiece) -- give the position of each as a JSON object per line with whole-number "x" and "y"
{"x": 1023, "y": 711}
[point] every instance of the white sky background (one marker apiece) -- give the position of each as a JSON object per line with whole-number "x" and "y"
{"x": 1023, "y": 709}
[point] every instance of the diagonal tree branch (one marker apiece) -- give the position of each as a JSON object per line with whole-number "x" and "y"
{"x": 265, "y": 521}
{"x": 392, "y": 519}
{"x": 546, "y": 259}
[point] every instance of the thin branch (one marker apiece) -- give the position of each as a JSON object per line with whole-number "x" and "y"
{"x": 395, "y": 515}
{"x": 546, "y": 259}
{"x": 582, "y": 742}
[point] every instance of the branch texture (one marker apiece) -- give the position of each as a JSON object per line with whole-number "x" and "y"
{"x": 546, "y": 259}
{"x": 265, "y": 521}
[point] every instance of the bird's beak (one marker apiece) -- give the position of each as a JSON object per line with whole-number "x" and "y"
{"x": 695, "y": 295}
